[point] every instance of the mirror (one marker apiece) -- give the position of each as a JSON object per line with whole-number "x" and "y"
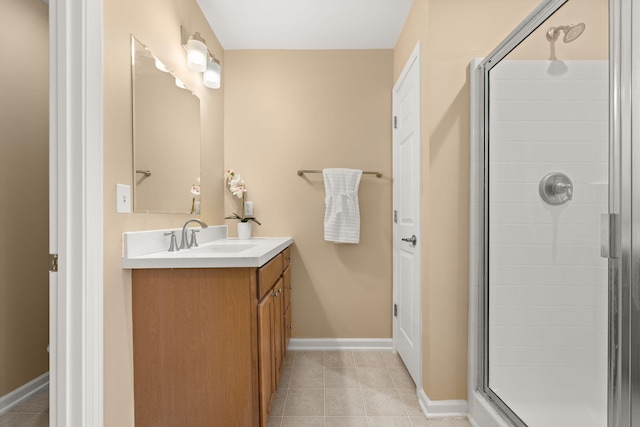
{"x": 166, "y": 137}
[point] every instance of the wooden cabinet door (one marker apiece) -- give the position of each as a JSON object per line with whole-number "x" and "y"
{"x": 278, "y": 328}
{"x": 286, "y": 275}
{"x": 266, "y": 366}
{"x": 287, "y": 330}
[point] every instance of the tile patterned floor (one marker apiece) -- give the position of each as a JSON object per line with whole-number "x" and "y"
{"x": 32, "y": 413}
{"x": 349, "y": 389}
{"x": 317, "y": 389}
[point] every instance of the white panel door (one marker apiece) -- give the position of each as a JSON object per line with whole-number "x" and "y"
{"x": 407, "y": 216}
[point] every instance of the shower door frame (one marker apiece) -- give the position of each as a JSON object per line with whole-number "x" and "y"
{"x": 623, "y": 382}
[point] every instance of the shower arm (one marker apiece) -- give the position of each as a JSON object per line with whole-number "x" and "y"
{"x": 552, "y": 37}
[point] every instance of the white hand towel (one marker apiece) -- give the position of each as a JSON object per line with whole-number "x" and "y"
{"x": 342, "y": 213}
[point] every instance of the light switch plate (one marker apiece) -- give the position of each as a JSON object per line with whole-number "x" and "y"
{"x": 123, "y": 198}
{"x": 248, "y": 208}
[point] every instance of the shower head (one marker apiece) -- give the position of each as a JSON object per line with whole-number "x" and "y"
{"x": 571, "y": 32}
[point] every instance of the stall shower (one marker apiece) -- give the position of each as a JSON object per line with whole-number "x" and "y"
{"x": 547, "y": 290}
{"x": 545, "y": 197}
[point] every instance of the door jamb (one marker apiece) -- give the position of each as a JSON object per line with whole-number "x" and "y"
{"x": 76, "y": 227}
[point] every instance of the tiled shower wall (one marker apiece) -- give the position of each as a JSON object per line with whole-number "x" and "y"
{"x": 548, "y": 283}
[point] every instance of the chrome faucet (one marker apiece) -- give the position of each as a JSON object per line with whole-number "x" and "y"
{"x": 185, "y": 244}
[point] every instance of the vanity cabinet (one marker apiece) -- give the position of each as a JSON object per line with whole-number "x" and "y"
{"x": 209, "y": 343}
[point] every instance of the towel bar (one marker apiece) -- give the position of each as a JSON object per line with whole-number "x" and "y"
{"x": 303, "y": 171}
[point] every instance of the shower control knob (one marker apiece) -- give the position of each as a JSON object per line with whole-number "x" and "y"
{"x": 556, "y": 188}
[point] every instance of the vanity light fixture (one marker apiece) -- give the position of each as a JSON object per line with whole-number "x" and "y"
{"x": 211, "y": 76}
{"x": 197, "y": 53}
{"x": 200, "y": 59}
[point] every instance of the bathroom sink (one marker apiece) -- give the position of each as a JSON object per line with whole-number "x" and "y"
{"x": 224, "y": 249}
{"x": 149, "y": 249}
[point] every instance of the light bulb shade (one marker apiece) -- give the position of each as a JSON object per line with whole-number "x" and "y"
{"x": 211, "y": 76}
{"x": 197, "y": 55}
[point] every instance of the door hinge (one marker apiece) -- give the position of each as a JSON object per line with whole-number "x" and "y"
{"x": 53, "y": 262}
{"x": 395, "y": 122}
{"x": 395, "y": 216}
{"x": 395, "y": 310}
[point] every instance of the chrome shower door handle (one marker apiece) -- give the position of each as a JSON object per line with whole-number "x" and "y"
{"x": 413, "y": 240}
{"x": 609, "y": 226}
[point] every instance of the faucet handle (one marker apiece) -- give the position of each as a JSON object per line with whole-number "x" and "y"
{"x": 193, "y": 242}
{"x": 174, "y": 241}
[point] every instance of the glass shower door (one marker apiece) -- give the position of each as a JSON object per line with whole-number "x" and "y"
{"x": 547, "y": 189}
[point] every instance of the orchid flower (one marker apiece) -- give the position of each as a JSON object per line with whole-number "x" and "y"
{"x": 238, "y": 189}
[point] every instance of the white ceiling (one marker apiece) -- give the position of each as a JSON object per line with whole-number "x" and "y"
{"x": 306, "y": 24}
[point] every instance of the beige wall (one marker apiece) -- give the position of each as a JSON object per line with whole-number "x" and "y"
{"x": 157, "y": 24}
{"x": 24, "y": 188}
{"x": 290, "y": 110}
{"x": 452, "y": 33}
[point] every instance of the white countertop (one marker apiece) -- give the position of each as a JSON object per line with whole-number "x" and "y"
{"x": 141, "y": 250}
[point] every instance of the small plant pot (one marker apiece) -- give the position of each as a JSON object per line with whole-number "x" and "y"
{"x": 244, "y": 230}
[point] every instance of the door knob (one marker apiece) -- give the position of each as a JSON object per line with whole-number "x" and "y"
{"x": 413, "y": 240}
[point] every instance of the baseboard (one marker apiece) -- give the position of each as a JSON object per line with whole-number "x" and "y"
{"x": 442, "y": 408}
{"x": 23, "y": 393}
{"x": 340, "y": 344}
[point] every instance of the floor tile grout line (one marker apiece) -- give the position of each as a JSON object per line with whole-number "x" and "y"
{"x": 388, "y": 367}
{"x": 364, "y": 402}
{"x": 284, "y": 407}
{"x": 324, "y": 388}
{"x": 404, "y": 406}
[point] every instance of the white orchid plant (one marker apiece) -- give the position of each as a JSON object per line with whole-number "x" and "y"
{"x": 238, "y": 189}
